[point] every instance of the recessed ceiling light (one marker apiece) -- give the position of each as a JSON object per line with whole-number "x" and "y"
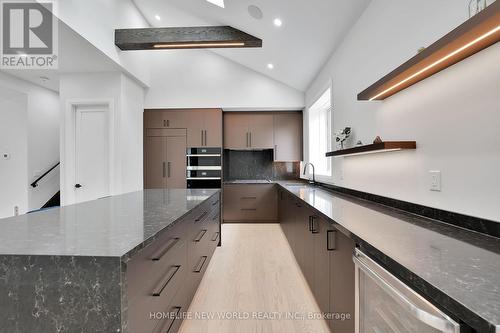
{"x": 270, "y": 66}
{"x": 157, "y": 17}
{"x": 219, "y": 3}
{"x": 277, "y": 22}
{"x": 255, "y": 12}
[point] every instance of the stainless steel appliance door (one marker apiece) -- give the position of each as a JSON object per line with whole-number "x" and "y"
{"x": 384, "y": 304}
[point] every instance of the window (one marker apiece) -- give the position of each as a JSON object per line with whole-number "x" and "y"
{"x": 319, "y": 134}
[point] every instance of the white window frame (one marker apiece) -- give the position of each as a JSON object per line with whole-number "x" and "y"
{"x": 329, "y": 177}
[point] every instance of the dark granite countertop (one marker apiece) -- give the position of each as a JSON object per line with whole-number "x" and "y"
{"x": 248, "y": 181}
{"x": 108, "y": 227}
{"x": 455, "y": 268}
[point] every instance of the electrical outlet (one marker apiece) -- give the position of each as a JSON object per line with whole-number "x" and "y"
{"x": 435, "y": 180}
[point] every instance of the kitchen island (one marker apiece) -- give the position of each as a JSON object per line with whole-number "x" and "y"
{"x": 126, "y": 263}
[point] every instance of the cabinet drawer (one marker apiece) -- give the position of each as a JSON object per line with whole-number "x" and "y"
{"x": 250, "y": 202}
{"x": 152, "y": 290}
{"x": 174, "y": 312}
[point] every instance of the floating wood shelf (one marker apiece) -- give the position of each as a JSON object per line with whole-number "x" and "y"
{"x": 184, "y": 38}
{"x": 381, "y": 147}
{"x": 474, "y": 35}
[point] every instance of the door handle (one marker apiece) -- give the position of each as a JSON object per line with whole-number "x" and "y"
{"x": 250, "y": 139}
{"x": 314, "y": 223}
{"x": 164, "y": 170}
{"x": 164, "y": 282}
{"x": 200, "y": 236}
{"x": 168, "y": 123}
{"x": 331, "y": 240}
{"x": 215, "y": 237}
{"x": 247, "y": 140}
{"x": 205, "y": 138}
{"x": 200, "y": 264}
{"x": 164, "y": 123}
{"x": 201, "y": 217}
{"x": 310, "y": 223}
{"x": 201, "y": 137}
{"x": 78, "y": 186}
{"x": 168, "y": 169}
{"x": 275, "y": 151}
{"x": 173, "y": 315}
{"x": 163, "y": 251}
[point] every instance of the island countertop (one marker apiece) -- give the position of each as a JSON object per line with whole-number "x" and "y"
{"x": 109, "y": 227}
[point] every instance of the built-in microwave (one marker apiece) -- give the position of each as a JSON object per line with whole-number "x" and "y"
{"x": 204, "y": 167}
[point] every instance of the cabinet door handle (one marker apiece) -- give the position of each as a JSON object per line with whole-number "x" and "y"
{"x": 249, "y": 209}
{"x": 168, "y": 169}
{"x": 248, "y": 198}
{"x": 247, "y": 139}
{"x": 314, "y": 225}
{"x": 200, "y": 264}
{"x": 164, "y": 250}
{"x": 164, "y": 123}
{"x": 200, "y": 235}
{"x": 215, "y": 203}
{"x": 215, "y": 237}
{"x": 164, "y": 170}
{"x": 250, "y": 139}
{"x": 205, "y": 138}
{"x": 201, "y": 217}
{"x": 164, "y": 282}
{"x": 331, "y": 240}
{"x": 310, "y": 223}
{"x": 275, "y": 151}
{"x": 173, "y": 315}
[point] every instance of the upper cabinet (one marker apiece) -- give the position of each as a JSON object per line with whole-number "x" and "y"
{"x": 248, "y": 131}
{"x": 204, "y": 126}
{"x": 288, "y": 137}
{"x": 165, "y": 119}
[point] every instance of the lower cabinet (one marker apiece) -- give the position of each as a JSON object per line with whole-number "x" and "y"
{"x": 324, "y": 255}
{"x": 250, "y": 203}
{"x": 163, "y": 277}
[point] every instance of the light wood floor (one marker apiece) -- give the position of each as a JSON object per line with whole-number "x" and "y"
{"x": 254, "y": 273}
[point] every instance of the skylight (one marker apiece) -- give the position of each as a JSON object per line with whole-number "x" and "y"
{"x": 219, "y": 3}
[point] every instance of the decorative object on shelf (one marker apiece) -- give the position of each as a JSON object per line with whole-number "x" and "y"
{"x": 472, "y": 36}
{"x": 377, "y": 147}
{"x": 343, "y": 135}
{"x": 475, "y": 6}
{"x": 359, "y": 143}
{"x": 377, "y": 140}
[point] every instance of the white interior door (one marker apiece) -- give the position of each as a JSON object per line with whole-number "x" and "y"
{"x": 92, "y": 153}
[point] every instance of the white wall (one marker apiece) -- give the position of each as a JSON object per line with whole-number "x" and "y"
{"x": 126, "y": 99}
{"x": 96, "y": 21}
{"x": 41, "y": 133}
{"x": 453, "y": 115}
{"x": 199, "y": 78}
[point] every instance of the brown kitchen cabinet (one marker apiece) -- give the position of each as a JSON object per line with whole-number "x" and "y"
{"x": 165, "y": 119}
{"x": 288, "y": 136}
{"x": 165, "y": 158}
{"x": 324, "y": 255}
{"x": 248, "y": 130}
{"x": 250, "y": 203}
{"x": 204, "y": 128}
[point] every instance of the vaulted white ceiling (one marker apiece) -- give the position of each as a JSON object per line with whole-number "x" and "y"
{"x": 311, "y": 30}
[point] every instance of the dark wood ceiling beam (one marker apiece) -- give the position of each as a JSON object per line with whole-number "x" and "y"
{"x": 184, "y": 37}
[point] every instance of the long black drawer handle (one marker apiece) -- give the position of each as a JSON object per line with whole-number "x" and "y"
{"x": 248, "y": 198}
{"x": 200, "y": 235}
{"x": 216, "y": 217}
{"x": 249, "y": 209}
{"x": 314, "y": 224}
{"x": 164, "y": 282}
{"x": 201, "y": 217}
{"x": 215, "y": 237}
{"x": 215, "y": 203}
{"x": 167, "y": 325}
{"x": 163, "y": 251}
{"x": 331, "y": 240}
{"x": 310, "y": 223}
{"x": 200, "y": 264}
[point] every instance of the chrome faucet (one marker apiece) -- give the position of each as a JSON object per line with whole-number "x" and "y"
{"x": 314, "y": 177}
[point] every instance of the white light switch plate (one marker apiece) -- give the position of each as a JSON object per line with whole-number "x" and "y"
{"x": 435, "y": 180}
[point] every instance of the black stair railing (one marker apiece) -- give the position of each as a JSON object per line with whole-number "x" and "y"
{"x": 35, "y": 183}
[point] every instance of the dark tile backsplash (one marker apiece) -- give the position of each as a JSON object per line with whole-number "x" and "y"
{"x": 257, "y": 164}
